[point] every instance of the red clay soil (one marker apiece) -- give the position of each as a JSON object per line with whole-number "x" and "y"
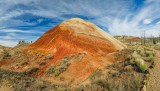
{"x": 72, "y": 37}
{"x": 136, "y": 39}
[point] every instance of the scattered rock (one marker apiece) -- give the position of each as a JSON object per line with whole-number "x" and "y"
{"x": 144, "y": 88}
{"x": 85, "y": 53}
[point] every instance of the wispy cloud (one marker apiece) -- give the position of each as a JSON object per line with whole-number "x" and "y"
{"x": 8, "y": 43}
{"x": 14, "y": 30}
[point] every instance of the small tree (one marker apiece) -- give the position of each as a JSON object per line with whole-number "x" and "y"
{"x": 23, "y": 41}
{"x": 19, "y": 42}
{"x": 144, "y": 38}
{"x": 154, "y": 41}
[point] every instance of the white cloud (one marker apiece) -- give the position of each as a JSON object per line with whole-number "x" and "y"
{"x": 14, "y": 30}
{"x": 147, "y": 21}
{"x": 8, "y": 43}
{"x": 158, "y": 22}
{"x": 21, "y": 31}
{"x": 131, "y": 24}
{"x": 40, "y": 20}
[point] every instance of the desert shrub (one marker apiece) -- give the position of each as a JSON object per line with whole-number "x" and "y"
{"x": 135, "y": 55}
{"x": 5, "y": 54}
{"x": 157, "y": 46}
{"x": 144, "y": 67}
{"x": 57, "y": 72}
{"x": 72, "y": 55}
{"x": 149, "y": 53}
{"x": 92, "y": 75}
{"x": 62, "y": 78}
{"x": 141, "y": 64}
{"x": 113, "y": 72}
{"x": 67, "y": 64}
{"x": 154, "y": 41}
{"x": 122, "y": 82}
{"x": 39, "y": 84}
{"x": 69, "y": 57}
{"x": 148, "y": 49}
{"x": 51, "y": 69}
{"x": 137, "y": 81}
{"x": 62, "y": 68}
{"x": 151, "y": 58}
{"x": 104, "y": 83}
{"x": 42, "y": 62}
{"x": 128, "y": 68}
{"x": 140, "y": 50}
{"x": 116, "y": 64}
{"x": 24, "y": 63}
{"x": 79, "y": 57}
{"x": 71, "y": 80}
{"x": 107, "y": 83}
{"x": 49, "y": 57}
{"x": 79, "y": 53}
{"x": 62, "y": 62}
{"x": 32, "y": 69}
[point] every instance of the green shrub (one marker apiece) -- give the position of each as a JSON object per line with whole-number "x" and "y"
{"x": 149, "y": 53}
{"x": 135, "y": 55}
{"x": 107, "y": 83}
{"x": 32, "y": 69}
{"x": 57, "y": 72}
{"x": 42, "y": 62}
{"x": 62, "y": 62}
{"x": 68, "y": 57}
{"x": 51, "y": 69}
{"x": 142, "y": 53}
{"x": 128, "y": 68}
{"x": 5, "y": 54}
{"x": 154, "y": 41}
{"x": 79, "y": 57}
{"x": 62, "y": 68}
{"x": 72, "y": 55}
{"x": 40, "y": 84}
{"x": 67, "y": 64}
{"x": 113, "y": 72}
{"x": 49, "y": 57}
{"x": 151, "y": 58}
{"x": 116, "y": 64}
{"x": 144, "y": 67}
{"x": 141, "y": 64}
{"x": 71, "y": 80}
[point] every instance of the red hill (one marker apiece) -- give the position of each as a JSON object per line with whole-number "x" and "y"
{"x": 78, "y": 36}
{"x": 79, "y": 48}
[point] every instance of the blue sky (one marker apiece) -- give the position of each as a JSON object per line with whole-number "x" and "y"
{"x": 29, "y": 19}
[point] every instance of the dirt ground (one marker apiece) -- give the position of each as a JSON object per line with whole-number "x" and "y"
{"x": 153, "y": 81}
